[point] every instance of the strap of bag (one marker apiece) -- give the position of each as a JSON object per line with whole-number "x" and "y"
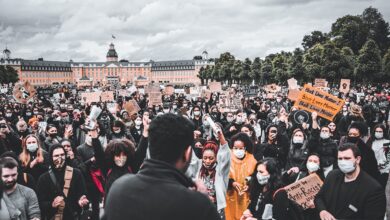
{"x": 276, "y": 192}
{"x": 67, "y": 179}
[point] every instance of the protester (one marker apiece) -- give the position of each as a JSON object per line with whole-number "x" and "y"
{"x": 160, "y": 189}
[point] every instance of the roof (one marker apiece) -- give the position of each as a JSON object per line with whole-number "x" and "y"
{"x": 173, "y": 63}
{"x": 44, "y": 63}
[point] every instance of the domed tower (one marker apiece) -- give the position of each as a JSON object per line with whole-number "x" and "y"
{"x": 7, "y": 53}
{"x": 205, "y": 55}
{"x": 112, "y": 56}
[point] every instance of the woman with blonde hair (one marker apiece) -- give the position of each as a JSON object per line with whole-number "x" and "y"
{"x": 34, "y": 159}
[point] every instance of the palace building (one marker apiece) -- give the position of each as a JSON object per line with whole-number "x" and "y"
{"x": 112, "y": 71}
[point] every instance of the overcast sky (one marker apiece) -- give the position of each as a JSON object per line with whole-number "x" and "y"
{"x": 167, "y": 29}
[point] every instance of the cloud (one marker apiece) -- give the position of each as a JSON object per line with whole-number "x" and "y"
{"x": 166, "y": 29}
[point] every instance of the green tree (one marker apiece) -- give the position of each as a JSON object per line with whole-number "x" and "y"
{"x": 237, "y": 71}
{"x": 386, "y": 64}
{"x": 266, "y": 71}
{"x": 378, "y": 28}
{"x": 313, "y": 62}
{"x": 280, "y": 67}
{"x": 369, "y": 62}
{"x": 296, "y": 68}
{"x": 349, "y": 31}
{"x": 256, "y": 70}
{"x": 316, "y": 37}
{"x": 8, "y": 75}
{"x": 349, "y": 63}
{"x": 247, "y": 68}
{"x": 202, "y": 75}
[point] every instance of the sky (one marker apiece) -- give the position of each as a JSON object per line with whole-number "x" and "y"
{"x": 145, "y": 30}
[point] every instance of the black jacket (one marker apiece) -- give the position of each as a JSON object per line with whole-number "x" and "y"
{"x": 326, "y": 148}
{"x": 158, "y": 191}
{"x": 368, "y": 202}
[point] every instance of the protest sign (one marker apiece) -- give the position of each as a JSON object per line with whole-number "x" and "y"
{"x": 46, "y": 91}
{"x": 24, "y": 92}
{"x": 272, "y": 88}
{"x": 304, "y": 190}
{"x": 293, "y": 94}
{"x": 132, "y": 107}
{"x": 322, "y": 83}
{"x": 215, "y": 86}
{"x": 155, "y": 96}
{"x": 123, "y": 92}
{"x": 315, "y": 100}
{"x": 292, "y": 83}
{"x": 89, "y": 97}
{"x": 112, "y": 107}
{"x": 345, "y": 85}
{"x": 107, "y": 96}
{"x": 3, "y": 90}
{"x": 206, "y": 94}
{"x": 251, "y": 91}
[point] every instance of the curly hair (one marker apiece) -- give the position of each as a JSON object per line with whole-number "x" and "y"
{"x": 118, "y": 146}
{"x": 244, "y": 138}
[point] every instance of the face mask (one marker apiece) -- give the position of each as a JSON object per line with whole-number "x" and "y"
{"x": 121, "y": 161}
{"x": 28, "y": 113}
{"x": 239, "y": 153}
{"x": 32, "y": 147}
{"x": 184, "y": 105}
{"x": 59, "y": 162}
{"x": 211, "y": 166}
{"x": 273, "y": 111}
{"x": 262, "y": 179}
{"x": 166, "y": 110}
{"x": 239, "y": 120}
{"x": 324, "y": 135}
{"x": 196, "y": 113}
{"x": 345, "y": 113}
{"x": 229, "y": 119}
{"x": 346, "y": 166}
{"x": 378, "y": 135}
{"x": 88, "y": 140}
{"x": 206, "y": 124}
{"x": 138, "y": 123}
{"x": 353, "y": 139}
{"x": 156, "y": 109}
{"x": 312, "y": 167}
{"x": 174, "y": 106}
{"x": 8, "y": 115}
{"x": 117, "y": 131}
{"x": 53, "y": 135}
{"x": 298, "y": 140}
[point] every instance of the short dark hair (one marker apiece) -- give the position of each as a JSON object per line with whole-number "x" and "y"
{"x": 8, "y": 162}
{"x": 350, "y": 146}
{"x": 245, "y": 139}
{"x": 169, "y": 136}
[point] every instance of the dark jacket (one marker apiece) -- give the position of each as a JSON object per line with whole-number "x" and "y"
{"x": 326, "y": 148}
{"x": 158, "y": 191}
{"x": 47, "y": 192}
{"x": 368, "y": 202}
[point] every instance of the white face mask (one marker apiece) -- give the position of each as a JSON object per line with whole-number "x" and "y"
{"x": 297, "y": 140}
{"x": 138, "y": 122}
{"x": 88, "y": 140}
{"x": 121, "y": 161}
{"x": 378, "y": 135}
{"x": 117, "y": 131}
{"x": 174, "y": 106}
{"x": 262, "y": 179}
{"x": 196, "y": 113}
{"x": 312, "y": 167}
{"x": 166, "y": 110}
{"x": 324, "y": 135}
{"x": 32, "y": 147}
{"x": 239, "y": 153}
{"x": 346, "y": 166}
{"x": 229, "y": 119}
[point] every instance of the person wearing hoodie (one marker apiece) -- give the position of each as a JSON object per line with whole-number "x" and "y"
{"x": 298, "y": 152}
{"x": 50, "y": 187}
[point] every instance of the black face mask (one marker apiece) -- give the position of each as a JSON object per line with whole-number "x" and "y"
{"x": 353, "y": 139}
{"x": 198, "y": 152}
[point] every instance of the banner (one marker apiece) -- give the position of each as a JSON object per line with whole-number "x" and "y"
{"x": 215, "y": 86}
{"x": 89, "y": 97}
{"x": 304, "y": 190}
{"x": 107, "y": 96}
{"x": 315, "y": 100}
{"x": 345, "y": 85}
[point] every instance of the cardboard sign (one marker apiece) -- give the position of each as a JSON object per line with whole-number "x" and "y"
{"x": 132, "y": 107}
{"x": 107, "y": 96}
{"x": 206, "y": 94}
{"x": 293, "y": 94}
{"x": 46, "y": 91}
{"x": 304, "y": 190}
{"x": 272, "y": 88}
{"x": 123, "y": 92}
{"x": 24, "y": 92}
{"x": 155, "y": 96}
{"x": 315, "y": 100}
{"x": 322, "y": 83}
{"x": 89, "y": 97}
{"x": 251, "y": 91}
{"x": 345, "y": 85}
{"x": 292, "y": 83}
{"x": 215, "y": 86}
{"x": 169, "y": 90}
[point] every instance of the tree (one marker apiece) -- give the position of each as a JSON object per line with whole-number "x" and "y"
{"x": 280, "y": 67}
{"x": 296, "y": 68}
{"x": 237, "y": 71}
{"x": 313, "y": 62}
{"x": 266, "y": 70}
{"x": 256, "y": 70}
{"x": 8, "y": 75}
{"x": 369, "y": 62}
{"x": 378, "y": 28}
{"x": 202, "y": 75}
{"x": 349, "y": 63}
{"x": 349, "y": 31}
{"x": 316, "y": 37}
{"x": 247, "y": 68}
{"x": 386, "y": 64}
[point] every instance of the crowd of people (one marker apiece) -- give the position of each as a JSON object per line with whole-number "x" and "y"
{"x": 190, "y": 158}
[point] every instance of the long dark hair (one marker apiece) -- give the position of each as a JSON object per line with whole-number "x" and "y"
{"x": 273, "y": 184}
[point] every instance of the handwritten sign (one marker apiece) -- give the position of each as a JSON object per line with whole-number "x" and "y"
{"x": 132, "y": 107}
{"x": 154, "y": 95}
{"x": 293, "y": 94}
{"x": 315, "y": 100}
{"x": 169, "y": 90}
{"x": 292, "y": 83}
{"x": 304, "y": 190}
{"x": 89, "y": 97}
{"x": 272, "y": 88}
{"x": 345, "y": 85}
{"x": 215, "y": 86}
{"x": 24, "y": 92}
{"x": 322, "y": 83}
{"x": 107, "y": 96}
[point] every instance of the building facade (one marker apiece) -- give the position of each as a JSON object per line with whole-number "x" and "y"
{"x": 41, "y": 72}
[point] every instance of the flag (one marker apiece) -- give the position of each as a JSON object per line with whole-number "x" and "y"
{"x": 113, "y": 37}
